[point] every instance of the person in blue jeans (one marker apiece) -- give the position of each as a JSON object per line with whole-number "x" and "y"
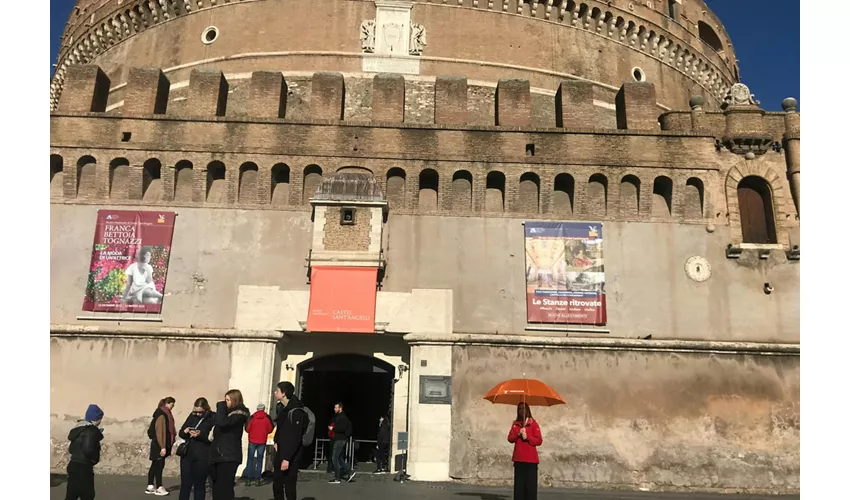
{"x": 342, "y": 432}
{"x": 259, "y": 427}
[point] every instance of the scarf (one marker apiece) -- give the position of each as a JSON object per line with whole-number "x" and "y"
{"x": 172, "y": 431}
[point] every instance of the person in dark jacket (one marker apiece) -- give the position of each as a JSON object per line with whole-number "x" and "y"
{"x": 163, "y": 433}
{"x": 288, "y": 446}
{"x": 226, "y": 449}
{"x": 526, "y": 437}
{"x": 342, "y": 432}
{"x": 259, "y": 427}
{"x": 384, "y": 439}
{"x": 84, "y": 449}
{"x": 195, "y": 464}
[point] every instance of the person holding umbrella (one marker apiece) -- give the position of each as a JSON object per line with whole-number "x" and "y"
{"x": 525, "y": 433}
{"x": 526, "y": 437}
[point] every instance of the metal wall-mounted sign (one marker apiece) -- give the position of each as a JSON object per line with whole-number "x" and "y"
{"x": 435, "y": 390}
{"x": 402, "y": 441}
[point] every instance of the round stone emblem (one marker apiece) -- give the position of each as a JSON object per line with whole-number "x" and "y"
{"x": 698, "y": 269}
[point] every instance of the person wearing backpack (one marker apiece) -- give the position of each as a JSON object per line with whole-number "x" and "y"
{"x": 295, "y": 428}
{"x": 162, "y": 434}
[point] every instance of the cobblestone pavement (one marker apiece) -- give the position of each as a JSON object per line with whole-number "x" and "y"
{"x": 369, "y": 487}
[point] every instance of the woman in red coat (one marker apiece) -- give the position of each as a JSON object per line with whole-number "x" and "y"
{"x": 526, "y": 437}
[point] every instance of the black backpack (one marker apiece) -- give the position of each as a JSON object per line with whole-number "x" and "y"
{"x": 152, "y": 426}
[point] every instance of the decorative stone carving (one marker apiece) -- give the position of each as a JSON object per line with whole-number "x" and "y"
{"x": 367, "y": 35}
{"x": 417, "y": 39}
{"x": 740, "y": 95}
{"x": 392, "y": 35}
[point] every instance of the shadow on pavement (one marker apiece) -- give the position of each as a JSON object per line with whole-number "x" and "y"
{"x": 58, "y": 480}
{"x": 482, "y": 496}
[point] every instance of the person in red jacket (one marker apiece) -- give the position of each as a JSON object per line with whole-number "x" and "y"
{"x": 259, "y": 427}
{"x": 526, "y": 437}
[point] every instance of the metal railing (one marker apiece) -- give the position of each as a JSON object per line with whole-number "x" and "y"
{"x": 319, "y": 455}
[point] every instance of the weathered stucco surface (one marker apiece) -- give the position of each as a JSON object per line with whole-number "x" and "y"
{"x": 659, "y": 420}
{"x": 212, "y": 253}
{"x": 126, "y": 378}
{"x": 481, "y": 259}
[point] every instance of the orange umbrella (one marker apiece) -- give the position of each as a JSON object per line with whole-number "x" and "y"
{"x": 518, "y": 390}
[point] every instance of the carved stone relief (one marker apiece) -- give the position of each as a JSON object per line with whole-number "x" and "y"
{"x": 367, "y": 35}
{"x": 417, "y": 39}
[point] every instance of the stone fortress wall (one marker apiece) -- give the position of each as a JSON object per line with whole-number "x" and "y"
{"x": 677, "y": 183}
{"x": 691, "y": 385}
{"x": 680, "y": 47}
{"x": 673, "y": 172}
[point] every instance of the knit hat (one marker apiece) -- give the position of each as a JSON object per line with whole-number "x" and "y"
{"x": 94, "y": 413}
{"x": 261, "y": 406}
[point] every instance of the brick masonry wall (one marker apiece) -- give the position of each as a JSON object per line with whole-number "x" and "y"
{"x": 350, "y": 238}
{"x": 101, "y": 156}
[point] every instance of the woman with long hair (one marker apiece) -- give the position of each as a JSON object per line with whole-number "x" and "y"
{"x": 526, "y": 437}
{"x": 195, "y": 461}
{"x": 226, "y": 450}
{"x": 162, "y": 434}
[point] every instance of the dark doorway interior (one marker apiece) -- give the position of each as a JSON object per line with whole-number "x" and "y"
{"x": 363, "y": 384}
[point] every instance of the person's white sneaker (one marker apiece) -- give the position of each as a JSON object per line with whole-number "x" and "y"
{"x": 150, "y": 490}
{"x": 161, "y": 492}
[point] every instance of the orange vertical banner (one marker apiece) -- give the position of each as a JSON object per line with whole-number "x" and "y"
{"x": 342, "y": 299}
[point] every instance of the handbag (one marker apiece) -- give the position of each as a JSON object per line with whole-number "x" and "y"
{"x": 183, "y": 448}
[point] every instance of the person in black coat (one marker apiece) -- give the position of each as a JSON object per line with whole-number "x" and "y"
{"x": 342, "y": 432}
{"x": 84, "y": 449}
{"x": 384, "y": 439}
{"x": 195, "y": 464}
{"x": 291, "y": 423}
{"x": 226, "y": 448}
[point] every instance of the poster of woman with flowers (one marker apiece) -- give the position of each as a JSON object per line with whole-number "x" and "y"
{"x": 129, "y": 261}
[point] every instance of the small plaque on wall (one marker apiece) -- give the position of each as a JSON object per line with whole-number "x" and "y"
{"x": 435, "y": 390}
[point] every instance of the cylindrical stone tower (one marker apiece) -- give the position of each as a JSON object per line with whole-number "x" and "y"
{"x": 678, "y": 45}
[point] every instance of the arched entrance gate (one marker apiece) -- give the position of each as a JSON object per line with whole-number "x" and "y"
{"x": 363, "y": 384}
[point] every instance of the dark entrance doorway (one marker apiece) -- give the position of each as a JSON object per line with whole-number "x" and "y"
{"x": 362, "y": 383}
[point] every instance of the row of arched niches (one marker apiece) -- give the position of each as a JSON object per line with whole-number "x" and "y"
{"x": 605, "y": 192}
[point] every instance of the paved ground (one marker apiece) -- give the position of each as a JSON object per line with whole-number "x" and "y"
{"x": 367, "y": 487}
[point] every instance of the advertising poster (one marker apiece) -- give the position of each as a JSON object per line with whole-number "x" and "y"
{"x": 565, "y": 275}
{"x": 129, "y": 261}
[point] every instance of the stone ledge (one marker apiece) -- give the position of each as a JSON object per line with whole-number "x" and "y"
{"x": 165, "y": 333}
{"x": 394, "y": 125}
{"x": 761, "y": 348}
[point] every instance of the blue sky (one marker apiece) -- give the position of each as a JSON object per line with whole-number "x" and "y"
{"x": 765, "y": 34}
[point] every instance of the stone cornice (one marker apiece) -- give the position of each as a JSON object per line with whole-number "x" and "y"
{"x": 583, "y": 343}
{"x": 164, "y": 333}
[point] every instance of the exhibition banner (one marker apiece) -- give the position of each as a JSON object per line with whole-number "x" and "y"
{"x": 129, "y": 261}
{"x": 565, "y": 275}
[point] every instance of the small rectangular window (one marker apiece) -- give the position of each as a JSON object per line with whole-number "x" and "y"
{"x": 347, "y": 216}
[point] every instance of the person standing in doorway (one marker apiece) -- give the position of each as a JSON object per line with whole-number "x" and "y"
{"x": 195, "y": 462}
{"x": 288, "y": 445}
{"x": 342, "y": 432}
{"x": 384, "y": 439}
{"x": 84, "y": 449}
{"x": 226, "y": 447}
{"x": 526, "y": 437}
{"x": 259, "y": 427}
{"x": 162, "y": 433}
